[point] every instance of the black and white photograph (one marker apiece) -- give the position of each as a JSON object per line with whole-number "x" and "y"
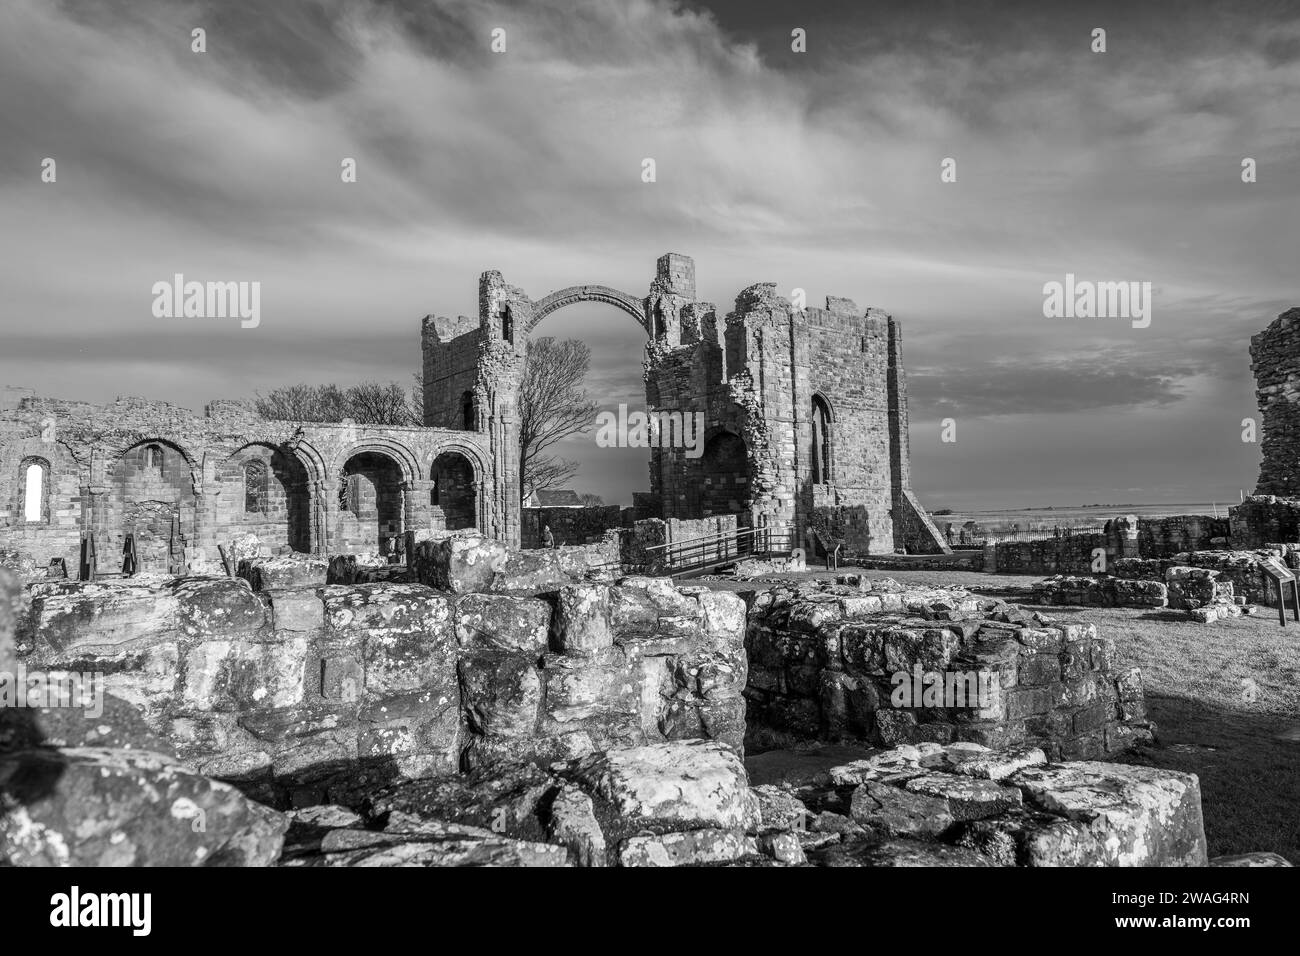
{"x": 706, "y": 434}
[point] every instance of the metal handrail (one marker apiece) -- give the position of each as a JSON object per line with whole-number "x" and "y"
{"x": 705, "y": 537}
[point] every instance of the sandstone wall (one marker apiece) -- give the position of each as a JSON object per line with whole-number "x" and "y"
{"x": 1273, "y": 354}
{"x": 1101, "y": 592}
{"x": 182, "y": 484}
{"x": 1068, "y": 554}
{"x": 822, "y": 661}
{"x": 311, "y": 694}
{"x": 570, "y": 525}
{"x": 1173, "y": 534}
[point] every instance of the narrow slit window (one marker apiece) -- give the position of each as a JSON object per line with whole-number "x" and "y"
{"x": 34, "y": 493}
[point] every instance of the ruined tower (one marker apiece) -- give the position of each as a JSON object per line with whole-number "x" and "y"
{"x": 1275, "y": 360}
{"x": 804, "y": 410}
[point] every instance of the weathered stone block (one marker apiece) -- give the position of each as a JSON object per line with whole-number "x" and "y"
{"x": 238, "y": 675}
{"x": 106, "y": 807}
{"x": 286, "y": 571}
{"x": 502, "y": 693}
{"x": 218, "y": 607}
{"x": 687, "y": 848}
{"x": 296, "y": 609}
{"x": 1119, "y": 815}
{"x": 460, "y": 563}
{"x": 682, "y": 784}
{"x": 502, "y": 622}
{"x": 892, "y": 811}
{"x": 77, "y": 618}
{"x": 581, "y": 626}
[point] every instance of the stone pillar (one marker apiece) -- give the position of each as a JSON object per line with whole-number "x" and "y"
{"x": 329, "y": 510}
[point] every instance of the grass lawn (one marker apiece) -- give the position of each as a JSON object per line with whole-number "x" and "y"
{"x": 1241, "y": 739}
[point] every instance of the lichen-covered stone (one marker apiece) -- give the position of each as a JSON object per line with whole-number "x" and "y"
{"x": 573, "y": 824}
{"x": 502, "y": 693}
{"x": 285, "y": 571}
{"x": 893, "y": 811}
{"x": 74, "y": 618}
{"x": 684, "y": 784}
{"x": 460, "y": 563}
{"x": 112, "y": 807}
{"x": 502, "y": 622}
{"x": 582, "y": 620}
{"x": 687, "y": 848}
{"x": 1122, "y": 815}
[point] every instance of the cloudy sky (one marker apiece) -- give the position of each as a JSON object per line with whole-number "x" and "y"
{"x": 817, "y": 170}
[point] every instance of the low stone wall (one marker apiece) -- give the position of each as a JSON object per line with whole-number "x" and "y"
{"x": 467, "y": 562}
{"x": 1100, "y": 592}
{"x": 692, "y": 803}
{"x": 830, "y": 662}
{"x": 964, "y": 805}
{"x": 1068, "y": 554}
{"x": 953, "y": 561}
{"x": 1239, "y": 568}
{"x": 309, "y": 695}
{"x": 586, "y": 525}
{"x": 1173, "y": 534}
{"x": 103, "y": 790}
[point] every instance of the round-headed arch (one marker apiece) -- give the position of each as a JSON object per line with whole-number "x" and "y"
{"x": 630, "y": 304}
{"x": 407, "y": 461}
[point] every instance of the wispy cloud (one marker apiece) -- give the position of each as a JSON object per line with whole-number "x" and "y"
{"x": 818, "y": 171}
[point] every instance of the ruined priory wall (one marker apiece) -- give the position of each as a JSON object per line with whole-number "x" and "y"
{"x": 310, "y": 694}
{"x": 822, "y": 662}
{"x": 1275, "y": 361}
{"x": 178, "y": 482}
{"x": 848, "y": 362}
{"x": 570, "y": 525}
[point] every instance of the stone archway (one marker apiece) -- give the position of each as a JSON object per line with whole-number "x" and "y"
{"x": 151, "y": 512}
{"x": 266, "y": 491}
{"x": 453, "y": 496}
{"x": 371, "y": 503}
{"x": 630, "y": 304}
{"x": 726, "y": 476}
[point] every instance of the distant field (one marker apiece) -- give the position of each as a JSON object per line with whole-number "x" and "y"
{"x": 1045, "y": 519}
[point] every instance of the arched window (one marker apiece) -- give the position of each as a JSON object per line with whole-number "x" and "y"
{"x": 507, "y": 324}
{"x": 255, "y": 487}
{"x": 821, "y": 441}
{"x": 467, "y": 411}
{"x": 34, "y": 479}
{"x": 152, "y": 458}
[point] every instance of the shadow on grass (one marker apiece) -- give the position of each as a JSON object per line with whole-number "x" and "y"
{"x": 1248, "y": 767}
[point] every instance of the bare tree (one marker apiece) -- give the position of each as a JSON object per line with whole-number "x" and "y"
{"x": 372, "y": 403}
{"x": 552, "y": 406}
{"x": 590, "y": 500}
{"x": 369, "y": 403}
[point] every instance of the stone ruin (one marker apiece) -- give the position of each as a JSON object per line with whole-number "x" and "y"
{"x": 600, "y": 722}
{"x": 802, "y": 442}
{"x": 318, "y": 646}
{"x": 823, "y": 661}
{"x": 1205, "y": 594}
{"x": 804, "y": 410}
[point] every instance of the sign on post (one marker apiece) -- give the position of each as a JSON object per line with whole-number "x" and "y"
{"x": 1281, "y": 576}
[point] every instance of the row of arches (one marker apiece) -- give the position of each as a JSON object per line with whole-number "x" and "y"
{"x": 154, "y": 502}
